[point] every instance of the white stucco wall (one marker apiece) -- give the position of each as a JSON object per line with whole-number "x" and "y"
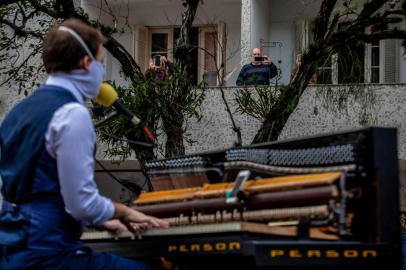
{"x": 388, "y": 110}
{"x": 310, "y": 118}
{"x": 259, "y": 22}
{"x": 282, "y": 56}
{"x": 246, "y": 32}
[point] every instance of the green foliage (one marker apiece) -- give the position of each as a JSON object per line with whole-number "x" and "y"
{"x": 260, "y": 100}
{"x": 151, "y": 100}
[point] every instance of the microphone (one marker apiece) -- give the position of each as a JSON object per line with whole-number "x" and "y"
{"x": 108, "y": 97}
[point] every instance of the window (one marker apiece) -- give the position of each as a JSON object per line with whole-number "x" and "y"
{"x": 350, "y": 63}
{"x": 327, "y": 72}
{"x": 159, "y": 44}
{"x": 208, "y": 42}
{"x": 381, "y": 62}
{"x": 378, "y": 61}
{"x": 375, "y": 65}
{"x": 208, "y": 55}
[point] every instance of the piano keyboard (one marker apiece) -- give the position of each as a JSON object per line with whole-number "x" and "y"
{"x": 204, "y": 229}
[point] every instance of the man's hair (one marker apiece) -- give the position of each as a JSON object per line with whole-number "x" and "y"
{"x": 62, "y": 52}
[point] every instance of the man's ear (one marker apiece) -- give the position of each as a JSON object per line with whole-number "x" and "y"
{"x": 85, "y": 62}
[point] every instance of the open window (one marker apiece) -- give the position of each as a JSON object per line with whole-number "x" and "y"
{"x": 381, "y": 62}
{"x": 208, "y": 55}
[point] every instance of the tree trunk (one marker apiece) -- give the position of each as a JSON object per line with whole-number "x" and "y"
{"x": 276, "y": 119}
{"x": 173, "y": 125}
{"x": 183, "y": 46}
{"x": 174, "y": 145}
{"x": 273, "y": 126}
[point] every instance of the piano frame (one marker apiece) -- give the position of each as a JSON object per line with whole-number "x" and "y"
{"x": 377, "y": 229}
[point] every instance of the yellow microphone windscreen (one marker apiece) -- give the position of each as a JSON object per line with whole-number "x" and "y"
{"x": 107, "y": 95}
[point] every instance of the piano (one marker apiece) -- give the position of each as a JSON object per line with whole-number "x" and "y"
{"x": 319, "y": 202}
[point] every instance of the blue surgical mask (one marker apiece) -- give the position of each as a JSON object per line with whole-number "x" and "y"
{"x": 86, "y": 81}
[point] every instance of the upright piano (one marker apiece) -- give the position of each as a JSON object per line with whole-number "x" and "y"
{"x": 319, "y": 202}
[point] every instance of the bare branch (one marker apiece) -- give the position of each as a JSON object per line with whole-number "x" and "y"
{"x": 16, "y": 70}
{"x": 20, "y": 31}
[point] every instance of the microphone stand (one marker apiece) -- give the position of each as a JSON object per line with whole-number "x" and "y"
{"x": 107, "y": 118}
{"x": 111, "y": 116}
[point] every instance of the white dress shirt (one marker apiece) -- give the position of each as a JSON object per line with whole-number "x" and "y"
{"x": 70, "y": 139}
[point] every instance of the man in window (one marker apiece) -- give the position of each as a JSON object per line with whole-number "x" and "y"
{"x": 258, "y": 72}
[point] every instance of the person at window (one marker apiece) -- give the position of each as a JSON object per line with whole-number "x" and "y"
{"x": 47, "y": 165}
{"x": 258, "y": 72}
{"x": 158, "y": 71}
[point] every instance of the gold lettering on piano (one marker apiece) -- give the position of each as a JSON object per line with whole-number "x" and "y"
{"x": 332, "y": 254}
{"x": 350, "y": 254}
{"x": 194, "y": 247}
{"x": 317, "y": 253}
{"x": 369, "y": 253}
{"x": 294, "y": 253}
{"x": 172, "y": 248}
{"x": 221, "y": 246}
{"x": 277, "y": 253}
{"x": 234, "y": 246}
{"x": 207, "y": 247}
{"x": 313, "y": 253}
{"x": 182, "y": 248}
{"x": 204, "y": 247}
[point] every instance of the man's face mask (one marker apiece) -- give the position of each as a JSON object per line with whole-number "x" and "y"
{"x": 86, "y": 81}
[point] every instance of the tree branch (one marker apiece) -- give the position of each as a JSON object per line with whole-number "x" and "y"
{"x": 44, "y": 9}
{"x": 389, "y": 34}
{"x": 323, "y": 19}
{"x": 16, "y": 70}
{"x": 8, "y": 2}
{"x": 20, "y": 31}
{"x": 370, "y": 8}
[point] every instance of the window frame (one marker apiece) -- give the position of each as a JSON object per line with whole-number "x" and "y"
{"x": 368, "y": 62}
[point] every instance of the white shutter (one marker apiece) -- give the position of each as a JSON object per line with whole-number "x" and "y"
{"x": 389, "y": 64}
{"x": 141, "y": 46}
{"x": 302, "y": 36}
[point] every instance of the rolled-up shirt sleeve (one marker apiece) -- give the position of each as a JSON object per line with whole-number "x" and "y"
{"x": 70, "y": 139}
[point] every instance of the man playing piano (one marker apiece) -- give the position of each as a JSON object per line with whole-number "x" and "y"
{"x": 47, "y": 166}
